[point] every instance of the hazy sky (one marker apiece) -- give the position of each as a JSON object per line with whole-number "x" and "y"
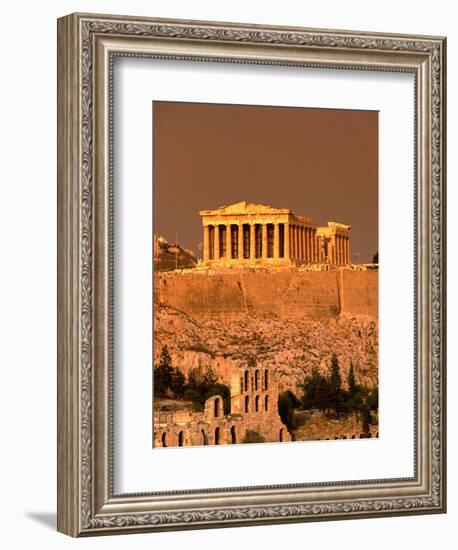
{"x": 321, "y": 163}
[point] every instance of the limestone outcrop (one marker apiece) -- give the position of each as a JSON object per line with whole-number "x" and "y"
{"x": 169, "y": 256}
{"x": 290, "y": 347}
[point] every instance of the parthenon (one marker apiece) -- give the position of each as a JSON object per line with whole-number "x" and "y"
{"x": 245, "y": 233}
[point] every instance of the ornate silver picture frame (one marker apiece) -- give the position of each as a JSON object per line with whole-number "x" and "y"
{"x": 87, "y": 47}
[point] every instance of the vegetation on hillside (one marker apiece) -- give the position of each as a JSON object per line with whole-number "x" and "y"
{"x": 170, "y": 382}
{"x": 327, "y": 394}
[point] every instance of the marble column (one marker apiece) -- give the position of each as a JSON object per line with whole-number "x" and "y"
{"x": 206, "y": 244}
{"x": 252, "y": 242}
{"x": 240, "y": 241}
{"x": 286, "y": 244}
{"x": 308, "y": 242}
{"x": 264, "y": 240}
{"x": 276, "y": 240}
{"x": 299, "y": 241}
{"x": 228, "y": 242}
{"x": 216, "y": 242}
{"x": 291, "y": 242}
{"x": 304, "y": 243}
{"x": 297, "y": 237}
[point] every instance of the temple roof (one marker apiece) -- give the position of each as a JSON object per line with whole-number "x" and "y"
{"x": 244, "y": 207}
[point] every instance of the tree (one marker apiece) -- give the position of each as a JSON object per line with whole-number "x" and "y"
{"x": 335, "y": 386}
{"x": 163, "y": 373}
{"x": 351, "y": 381}
{"x": 335, "y": 380}
{"x": 316, "y": 391}
{"x": 287, "y": 402}
{"x": 177, "y": 382}
{"x": 203, "y": 384}
{"x": 372, "y": 399}
{"x": 366, "y": 420}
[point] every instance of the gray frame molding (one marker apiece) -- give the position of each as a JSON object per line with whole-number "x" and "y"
{"x": 87, "y": 44}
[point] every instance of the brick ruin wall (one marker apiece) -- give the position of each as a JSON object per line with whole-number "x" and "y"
{"x": 285, "y": 294}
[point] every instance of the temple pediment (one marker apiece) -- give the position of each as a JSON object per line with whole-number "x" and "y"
{"x": 244, "y": 207}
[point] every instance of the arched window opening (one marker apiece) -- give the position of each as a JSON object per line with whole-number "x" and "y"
{"x": 266, "y": 379}
{"x": 164, "y": 439}
{"x": 180, "y": 439}
{"x": 256, "y": 380}
{"x": 247, "y": 404}
{"x": 266, "y": 403}
{"x": 256, "y": 403}
{"x": 233, "y": 436}
{"x": 217, "y": 407}
{"x": 246, "y": 380}
{"x": 217, "y": 436}
{"x": 281, "y": 434}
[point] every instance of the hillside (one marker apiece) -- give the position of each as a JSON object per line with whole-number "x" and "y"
{"x": 292, "y": 347}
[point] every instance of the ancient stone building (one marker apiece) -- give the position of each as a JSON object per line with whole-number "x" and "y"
{"x": 334, "y": 244}
{"x": 246, "y": 233}
{"x": 254, "y": 409}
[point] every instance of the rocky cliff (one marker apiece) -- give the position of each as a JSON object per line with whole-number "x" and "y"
{"x": 168, "y": 257}
{"x": 291, "y": 321}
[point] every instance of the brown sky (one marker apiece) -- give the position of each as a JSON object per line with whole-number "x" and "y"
{"x": 322, "y": 163}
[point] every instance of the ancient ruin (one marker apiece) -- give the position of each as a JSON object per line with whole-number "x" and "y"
{"x": 254, "y": 409}
{"x": 245, "y": 233}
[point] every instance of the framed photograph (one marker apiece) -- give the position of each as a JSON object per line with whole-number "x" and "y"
{"x": 251, "y": 289}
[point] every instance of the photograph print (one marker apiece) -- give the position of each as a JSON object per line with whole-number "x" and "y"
{"x": 265, "y": 313}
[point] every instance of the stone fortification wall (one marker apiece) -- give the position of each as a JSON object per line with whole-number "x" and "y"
{"x": 286, "y": 294}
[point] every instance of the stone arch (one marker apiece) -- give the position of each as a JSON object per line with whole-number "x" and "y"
{"x": 233, "y": 436}
{"x": 217, "y": 436}
{"x": 256, "y": 403}
{"x": 266, "y": 379}
{"x": 246, "y": 380}
{"x": 217, "y": 407}
{"x": 180, "y": 439}
{"x": 281, "y": 434}
{"x": 266, "y": 403}
{"x": 164, "y": 439}
{"x": 247, "y": 403}
{"x": 256, "y": 379}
